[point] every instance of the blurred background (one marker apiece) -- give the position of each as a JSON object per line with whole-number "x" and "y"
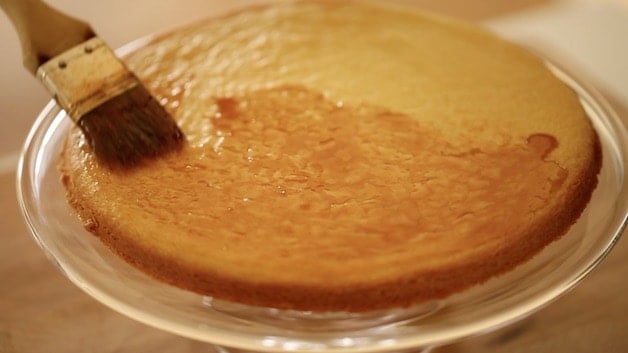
{"x": 41, "y": 311}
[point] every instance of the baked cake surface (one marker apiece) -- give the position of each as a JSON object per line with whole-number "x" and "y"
{"x": 342, "y": 156}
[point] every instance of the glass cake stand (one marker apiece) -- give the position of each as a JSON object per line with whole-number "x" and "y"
{"x": 498, "y": 302}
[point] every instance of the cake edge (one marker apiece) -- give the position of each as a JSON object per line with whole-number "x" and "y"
{"x": 413, "y": 289}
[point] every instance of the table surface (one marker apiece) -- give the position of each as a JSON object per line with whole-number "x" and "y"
{"x": 41, "y": 311}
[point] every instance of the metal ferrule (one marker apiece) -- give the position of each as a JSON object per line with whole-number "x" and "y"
{"x": 85, "y": 76}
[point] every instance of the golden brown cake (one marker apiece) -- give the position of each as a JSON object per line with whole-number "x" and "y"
{"x": 343, "y": 157}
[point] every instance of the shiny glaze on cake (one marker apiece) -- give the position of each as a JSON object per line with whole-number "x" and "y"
{"x": 342, "y": 157}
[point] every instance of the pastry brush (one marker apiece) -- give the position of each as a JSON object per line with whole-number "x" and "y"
{"x": 122, "y": 122}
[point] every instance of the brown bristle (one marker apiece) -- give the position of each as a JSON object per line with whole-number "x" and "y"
{"x": 130, "y": 128}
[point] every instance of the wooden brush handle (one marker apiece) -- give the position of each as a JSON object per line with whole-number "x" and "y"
{"x": 43, "y": 31}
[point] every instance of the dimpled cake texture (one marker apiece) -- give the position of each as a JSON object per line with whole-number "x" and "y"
{"x": 342, "y": 157}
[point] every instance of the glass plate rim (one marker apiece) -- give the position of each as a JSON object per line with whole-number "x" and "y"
{"x": 50, "y": 113}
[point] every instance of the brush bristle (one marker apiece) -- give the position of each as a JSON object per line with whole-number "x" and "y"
{"x": 130, "y": 128}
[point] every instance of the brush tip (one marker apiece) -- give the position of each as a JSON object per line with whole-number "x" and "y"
{"x": 130, "y": 129}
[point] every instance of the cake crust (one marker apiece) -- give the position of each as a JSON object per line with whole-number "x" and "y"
{"x": 310, "y": 181}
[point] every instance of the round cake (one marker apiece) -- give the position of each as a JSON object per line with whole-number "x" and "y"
{"x": 342, "y": 157}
